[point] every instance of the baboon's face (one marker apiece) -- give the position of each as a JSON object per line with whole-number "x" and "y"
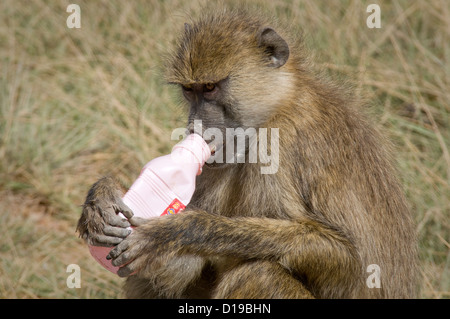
{"x": 231, "y": 75}
{"x": 212, "y": 113}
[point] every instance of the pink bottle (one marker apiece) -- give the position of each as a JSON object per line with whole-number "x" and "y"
{"x": 164, "y": 187}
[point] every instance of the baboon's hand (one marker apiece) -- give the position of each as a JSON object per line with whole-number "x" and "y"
{"x": 104, "y": 226}
{"x": 100, "y": 223}
{"x": 147, "y": 249}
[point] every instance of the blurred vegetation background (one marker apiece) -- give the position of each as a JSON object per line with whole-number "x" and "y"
{"x": 76, "y": 104}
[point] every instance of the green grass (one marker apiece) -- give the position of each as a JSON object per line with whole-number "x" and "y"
{"x": 76, "y": 104}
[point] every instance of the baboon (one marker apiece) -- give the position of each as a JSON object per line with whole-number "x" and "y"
{"x": 311, "y": 230}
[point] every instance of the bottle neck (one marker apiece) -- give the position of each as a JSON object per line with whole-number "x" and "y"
{"x": 192, "y": 150}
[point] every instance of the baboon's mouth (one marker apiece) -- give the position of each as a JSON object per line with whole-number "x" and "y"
{"x": 213, "y": 149}
{"x": 214, "y": 145}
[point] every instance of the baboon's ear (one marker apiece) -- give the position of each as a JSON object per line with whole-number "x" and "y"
{"x": 275, "y": 46}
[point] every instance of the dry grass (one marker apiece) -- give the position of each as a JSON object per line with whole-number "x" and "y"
{"x": 79, "y": 103}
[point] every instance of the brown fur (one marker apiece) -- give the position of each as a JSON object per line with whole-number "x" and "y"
{"x": 333, "y": 208}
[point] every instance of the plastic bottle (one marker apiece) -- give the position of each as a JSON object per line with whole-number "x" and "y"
{"x": 164, "y": 187}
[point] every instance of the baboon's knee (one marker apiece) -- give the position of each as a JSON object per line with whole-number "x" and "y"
{"x": 260, "y": 280}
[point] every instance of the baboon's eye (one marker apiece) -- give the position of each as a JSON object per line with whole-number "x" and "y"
{"x": 209, "y": 87}
{"x": 187, "y": 87}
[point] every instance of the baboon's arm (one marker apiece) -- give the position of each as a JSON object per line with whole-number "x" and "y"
{"x": 297, "y": 245}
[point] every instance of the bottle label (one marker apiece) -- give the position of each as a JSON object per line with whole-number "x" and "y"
{"x": 175, "y": 207}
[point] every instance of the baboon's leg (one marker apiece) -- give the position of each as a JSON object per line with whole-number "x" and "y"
{"x": 260, "y": 280}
